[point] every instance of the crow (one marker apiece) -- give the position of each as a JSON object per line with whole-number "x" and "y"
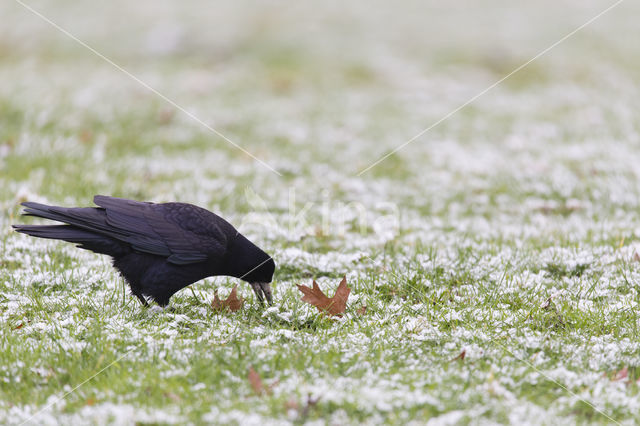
{"x": 157, "y": 248}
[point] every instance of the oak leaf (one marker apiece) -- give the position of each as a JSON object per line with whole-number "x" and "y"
{"x": 232, "y": 303}
{"x": 332, "y": 305}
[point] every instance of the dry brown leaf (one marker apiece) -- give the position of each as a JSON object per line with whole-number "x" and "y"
{"x": 621, "y": 375}
{"x": 172, "y": 396}
{"x": 302, "y": 408}
{"x": 311, "y": 403}
{"x": 166, "y": 115}
{"x": 362, "y": 310}
{"x": 232, "y": 303}
{"x": 291, "y": 404}
{"x": 256, "y": 383}
{"x": 460, "y": 356}
{"x": 86, "y": 136}
{"x": 332, "y": 305}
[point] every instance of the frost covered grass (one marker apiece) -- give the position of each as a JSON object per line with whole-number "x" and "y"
{"x": 509, "y": 232}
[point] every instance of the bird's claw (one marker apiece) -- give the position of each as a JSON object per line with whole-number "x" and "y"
{"x": 262, "y": 291}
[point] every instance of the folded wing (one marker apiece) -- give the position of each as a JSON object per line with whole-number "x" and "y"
{"x": 182, "y": 233}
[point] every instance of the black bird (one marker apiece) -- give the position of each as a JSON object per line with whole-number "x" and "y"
{"x": 158, "y": 248}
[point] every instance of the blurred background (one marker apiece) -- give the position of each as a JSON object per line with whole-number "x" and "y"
{"x": 318, "y": 92}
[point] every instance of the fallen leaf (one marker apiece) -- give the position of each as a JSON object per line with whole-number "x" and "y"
{"x": 256, "y": 383}
{"x": 546, "y": 304}
{"x": 232, "y": 303}
{"x": 621, "y": 375}
{"x": 460, "y": 356}
{"x": 311, "y": 403}
{"x": 291, "y": 404}
{"x": 361, "y": 310}
{"x": 301, "y": 408}
{"x": 172, "y": 396}
{"x": 86, "y": 136}
{"x": 166, "y": 115}
{"x": 333, "y": 305}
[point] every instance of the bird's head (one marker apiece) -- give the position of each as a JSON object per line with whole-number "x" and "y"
{"x": 250, "y": 263}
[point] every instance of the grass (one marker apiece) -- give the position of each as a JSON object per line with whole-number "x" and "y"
{"x": 508, "y": 233}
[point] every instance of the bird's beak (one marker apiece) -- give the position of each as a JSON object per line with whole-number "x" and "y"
{"x": 262, "y": 291}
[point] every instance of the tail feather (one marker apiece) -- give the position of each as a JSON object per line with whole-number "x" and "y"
{"x": 88, "y": 218}
{"x": 83, "y": 238}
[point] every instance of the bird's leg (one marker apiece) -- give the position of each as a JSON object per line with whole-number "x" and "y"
{"x": 262, "y": 291}
{"x": 141, "y": 298}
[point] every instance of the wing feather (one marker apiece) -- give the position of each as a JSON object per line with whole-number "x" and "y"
{"x": 182, "y": 232}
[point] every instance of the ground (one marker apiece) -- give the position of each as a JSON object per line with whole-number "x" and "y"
{"x": 497, "y": 254}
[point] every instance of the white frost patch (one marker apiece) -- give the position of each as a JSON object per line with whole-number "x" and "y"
{"x": 99, "y": 414}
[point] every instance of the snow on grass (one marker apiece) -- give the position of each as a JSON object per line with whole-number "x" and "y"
{"x": 509, "y": 232}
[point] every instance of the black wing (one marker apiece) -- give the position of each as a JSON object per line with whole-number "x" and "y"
{"x": 181, "y": 232}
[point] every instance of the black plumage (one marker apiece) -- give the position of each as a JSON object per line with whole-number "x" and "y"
{"x": 158, "y": 248}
